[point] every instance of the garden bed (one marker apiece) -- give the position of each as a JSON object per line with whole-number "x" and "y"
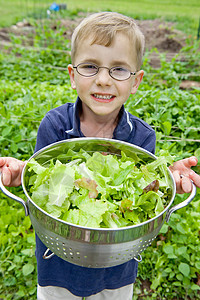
{"x": 159, "y": 35}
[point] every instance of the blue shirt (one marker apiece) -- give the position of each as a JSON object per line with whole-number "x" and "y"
{"x": 64, "y": 123}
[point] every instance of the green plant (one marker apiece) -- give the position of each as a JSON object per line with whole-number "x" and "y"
{"x": 173, "y": 260}
{"x": 17, "y": 257}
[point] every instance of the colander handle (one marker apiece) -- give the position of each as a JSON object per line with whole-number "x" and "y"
{"x": 139, "y": 258}
{"x": 46, "y": 256}
{"x": 12, "y": 196}
{"x": 182, "y": 204}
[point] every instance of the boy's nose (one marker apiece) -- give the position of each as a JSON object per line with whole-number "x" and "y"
{"x": 103, "y": 77}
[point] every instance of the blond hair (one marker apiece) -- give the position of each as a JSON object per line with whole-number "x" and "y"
{"x": 102, "y": 28}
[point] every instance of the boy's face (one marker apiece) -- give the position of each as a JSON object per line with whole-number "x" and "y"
{"x": 102, "y": 94}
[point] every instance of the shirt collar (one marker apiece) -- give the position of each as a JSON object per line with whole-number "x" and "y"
{"x": 122, "y": 131}
{"x": 125, "y": 127}
{"x": 76, "y": 130}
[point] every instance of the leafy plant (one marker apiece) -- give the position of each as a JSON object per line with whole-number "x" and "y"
{"x": 173, "y": 260}
{"x": 101, "y": 190}
{"x": 17, "y": 254}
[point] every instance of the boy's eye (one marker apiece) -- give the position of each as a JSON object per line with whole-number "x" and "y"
{"x": 119, "y": 72}
{"x": 87, "y": 69}
{"x": 119, "y": 69}
{"x": 93, "y": 67}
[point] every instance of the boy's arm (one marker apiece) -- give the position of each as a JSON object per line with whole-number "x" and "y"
{"x": 183, "y": 174}
{"x": 11, "y": 170}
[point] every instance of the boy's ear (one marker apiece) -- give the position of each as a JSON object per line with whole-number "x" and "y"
{"x": 137, "y": 81}
{"x": 71, "y": 75}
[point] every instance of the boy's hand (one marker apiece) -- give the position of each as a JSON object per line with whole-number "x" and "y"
{"x": 183, "y": 174}
{"x": 11, "y": 170}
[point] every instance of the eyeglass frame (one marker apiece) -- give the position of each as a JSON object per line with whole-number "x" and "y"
{"x": 109, "y": 71}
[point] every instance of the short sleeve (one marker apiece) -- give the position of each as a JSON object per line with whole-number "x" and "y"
{"x": 47, "y": 134}
{"x": 150, "y": 142}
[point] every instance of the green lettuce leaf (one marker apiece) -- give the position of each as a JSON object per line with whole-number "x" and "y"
{"x": 99, "y": 189}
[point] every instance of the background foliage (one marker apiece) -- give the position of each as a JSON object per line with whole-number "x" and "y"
{"x": 32, "y": 81}
{"x": 184, "y": 13}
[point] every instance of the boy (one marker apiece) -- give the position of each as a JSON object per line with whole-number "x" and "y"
{"x": 107, "y": 51}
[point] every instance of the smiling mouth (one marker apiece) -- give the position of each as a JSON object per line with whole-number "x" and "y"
{"x": 100, "y": 97}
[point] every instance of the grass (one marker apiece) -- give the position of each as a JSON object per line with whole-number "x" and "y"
{"x": 185, "y": 13}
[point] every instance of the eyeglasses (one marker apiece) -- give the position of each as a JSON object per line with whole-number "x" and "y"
{"x": 89, "y": 70}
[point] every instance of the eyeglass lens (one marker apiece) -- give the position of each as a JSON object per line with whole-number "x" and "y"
{"x": 88, "y": 70}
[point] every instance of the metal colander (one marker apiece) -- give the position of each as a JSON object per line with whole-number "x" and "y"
{"x": 93, "y": 247}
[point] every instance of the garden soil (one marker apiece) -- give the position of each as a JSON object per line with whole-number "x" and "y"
{"x": 159, "y": 35}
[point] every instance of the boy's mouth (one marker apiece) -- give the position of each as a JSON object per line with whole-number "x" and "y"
{"x": 103, "y": 98}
